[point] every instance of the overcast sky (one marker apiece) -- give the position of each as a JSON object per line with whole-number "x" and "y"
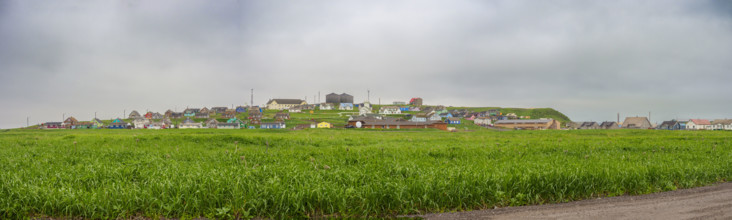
{"x": 587, "y": 59}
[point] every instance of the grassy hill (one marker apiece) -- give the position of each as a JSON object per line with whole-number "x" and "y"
{"x": 534, "y": 113}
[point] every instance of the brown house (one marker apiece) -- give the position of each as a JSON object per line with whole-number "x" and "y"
{"x": 255, "y": 117}
{"x": 609, "y": 125}
{"x": 589, "y": 125}
{"x": 218, "y": 110}
{"x": 637, "y": 123}
{"x": 229, "y": 113}
{"x": 281, "y": 116}
{"x": 169, "y": 113}
{"x": 534, "y": 124}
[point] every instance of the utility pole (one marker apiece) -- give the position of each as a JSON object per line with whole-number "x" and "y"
{"x": 251, "y": 98}
{"x": 95, "y": 114}
{"x": 368, "y": 95}
{"x": 318, "y": 96}
{"x": 27, "y": 121}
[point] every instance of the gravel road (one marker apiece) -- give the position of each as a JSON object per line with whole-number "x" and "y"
{"x": 710, "y": 202}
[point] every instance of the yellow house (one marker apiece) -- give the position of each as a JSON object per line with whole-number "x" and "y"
{"x": 281, "y": 104}
{"x": 325, "y": 125}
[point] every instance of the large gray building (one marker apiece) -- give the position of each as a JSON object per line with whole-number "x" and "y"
{"x": 335, "y": 98}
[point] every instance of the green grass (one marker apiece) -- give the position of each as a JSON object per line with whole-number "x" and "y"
{"x": 103, "y": 174}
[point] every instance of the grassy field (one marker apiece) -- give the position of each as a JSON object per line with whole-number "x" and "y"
{"x": 339, "y": 173}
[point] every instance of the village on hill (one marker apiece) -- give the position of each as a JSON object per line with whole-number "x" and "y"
{"x": 340, "y": 111}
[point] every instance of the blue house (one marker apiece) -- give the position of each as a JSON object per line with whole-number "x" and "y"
{"x": 452, "y": 120}
{"x": 672, "y": 125}
{"x": 346, "y": 106}
{"x": 191, "y": 112}
{"x": 240, "y": 109}
{"x": 680, "y": 125}
{"x": 118, "y": 124}
{"x": 272, "y": 125}
{"x": 446, "y": 115}
{"x": 403, "y": 108}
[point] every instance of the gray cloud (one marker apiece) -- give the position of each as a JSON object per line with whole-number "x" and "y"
{"x": 589, "y": 59}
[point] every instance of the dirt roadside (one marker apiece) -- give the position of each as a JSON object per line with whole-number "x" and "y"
{"x": 710, "y": 202}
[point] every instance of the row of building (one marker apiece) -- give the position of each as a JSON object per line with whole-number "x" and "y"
{"x": 166, "y": 123}
{"x": 644, "y": 123}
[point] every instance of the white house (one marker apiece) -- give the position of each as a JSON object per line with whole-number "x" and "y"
{"x": 326, "y": 106}
{"x": 483, "y": 121}
{"x": 157, "y": 125}
{"x": 141, "y": 123}
{"x": 281, "y": 104}
{"x": 390, "y": 110}
{"x": 424, "y": 117}
{"x": 189, "y": 123}
{"x": 722, "y": 124}
{"x": 346, "y": 106}
{"x": 365, "y": 109}
{"x": 698, "y": 124}
{"x": 296, "y": 109}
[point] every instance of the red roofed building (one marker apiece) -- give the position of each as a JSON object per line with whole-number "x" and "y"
{"x": 416, "y": 101}
{"x": 698, "y": 124}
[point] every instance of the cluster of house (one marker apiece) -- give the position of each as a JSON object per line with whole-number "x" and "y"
{"x": 408, "y": 115}
{"x": 152, "y": 120}
{"x": 644, "y": 123}
{"x": 440, "y": 118}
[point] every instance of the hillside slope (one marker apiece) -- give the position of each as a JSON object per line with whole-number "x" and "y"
{"x": 534, "y": 113}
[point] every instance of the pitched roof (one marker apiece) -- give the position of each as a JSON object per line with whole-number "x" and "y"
{"x": 668, "y": 123}
{"x": 700, "y": 121}
{"x": 637, "y": 122}
{"x": 286, "y": 101}
{"x": 722, "y": 121}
